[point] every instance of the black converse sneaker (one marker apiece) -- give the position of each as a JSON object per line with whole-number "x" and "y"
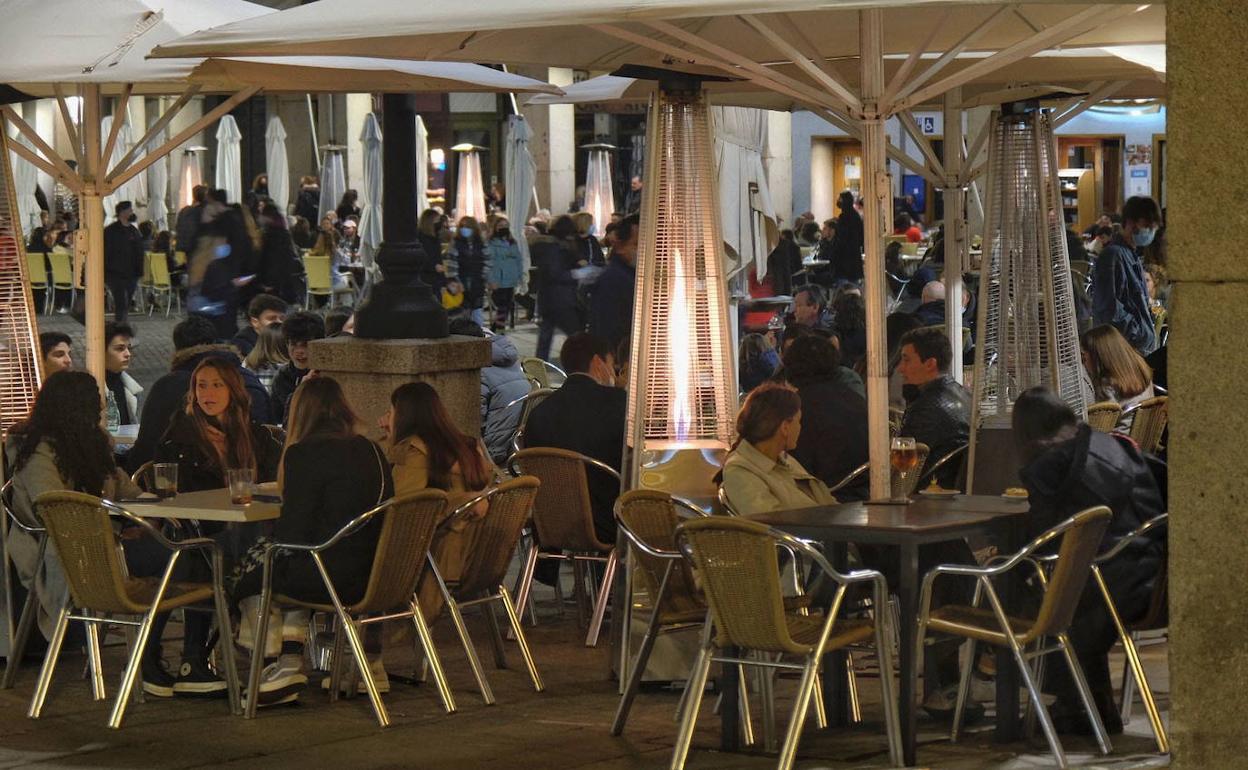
{"x": 197, "y": 679}
{"x": 157, "y": 681}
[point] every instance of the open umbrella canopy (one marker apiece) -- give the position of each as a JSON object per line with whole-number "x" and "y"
{"x": 357, "y": 74}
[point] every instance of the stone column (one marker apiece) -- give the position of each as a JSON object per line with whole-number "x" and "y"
{"x": 823, "y": 190}
{"x": 1208, "y": 422}
{"x": 553, "y": 144}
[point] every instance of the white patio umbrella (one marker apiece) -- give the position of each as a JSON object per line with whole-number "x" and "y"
{"x": 422, "y": 165}
{"x": 740, "y": 134}
{"x": 370, "y": 203}
{"x": 135, "y": 189}
{"x": 158, "y": 186}
{"x": 25, "y": 178}
{"x": 333, "y": 180}
{"x": 521, "y": 173}
{"x": 229, "y": 159}
{"x": 275, "y": 164}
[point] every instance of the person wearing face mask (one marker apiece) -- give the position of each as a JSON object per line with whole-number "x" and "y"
{"x": 1119, "y": 294}
{"x": 468, "y": 262}
{"x": 506, "y": 269}
{"x": 123, "y": 259}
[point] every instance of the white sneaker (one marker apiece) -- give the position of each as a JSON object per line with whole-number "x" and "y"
{"x": 280, "y": 681}
{"x": 375, "y": 666}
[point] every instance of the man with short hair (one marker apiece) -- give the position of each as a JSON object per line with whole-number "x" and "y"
{"x": 263, "y": 310}
{"x": 187, "y": 224}
{"x": 124, "y": 389}
{"x": 194, "y": 339}
{"x": 54, "y": 351}
{"x": 810, "y": 309}
{"x": 611, "y": 300}
{"x": 1119, "y": 294}
{"x": 586, "y": 415}
{"x": 940, "y": 415}
{"x": 123, "y": 259}
{"x": 299, "y": 329}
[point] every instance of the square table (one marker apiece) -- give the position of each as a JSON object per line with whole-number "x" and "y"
{"x": 925, "y": 520}
{"x": 206, "y": 505}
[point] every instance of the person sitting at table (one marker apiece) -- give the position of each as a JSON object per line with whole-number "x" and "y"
{"x": 1119, "y": 373}
{"x": 1067, "y": 468}
{"x": 61, "y": 446}
{"x": 940, "y": 414}
{"x": 55, "y": 348}
{"x": 330, "y": 474}
{"x": 268, "y": 355}
{"x": 834, "y": 440}
{"x": 123, "y": 388}
{"x": 299, "y": 329}
{"x": 758, "y": 361}
{"x": 810, "y": 309}
{"x": 849, "y": 321}
{"x": 427, "y": 451}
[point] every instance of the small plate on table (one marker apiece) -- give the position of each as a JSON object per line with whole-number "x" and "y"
{"x": 1015, "y": 493}
{"x": 939, "y": 492}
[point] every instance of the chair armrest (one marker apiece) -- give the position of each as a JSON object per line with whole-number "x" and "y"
{"x": 173, "y": 545}
{"x": 347, "y": 529}
{"x": 854, "y": 474}
{"x": 1125, "y": 540}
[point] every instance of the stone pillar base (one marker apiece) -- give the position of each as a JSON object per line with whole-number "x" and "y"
{"x": 370, "y": 370}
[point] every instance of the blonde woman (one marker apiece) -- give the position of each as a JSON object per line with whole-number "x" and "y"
{"x": 1118, "y": 372}
{"x": 269, "y": 355}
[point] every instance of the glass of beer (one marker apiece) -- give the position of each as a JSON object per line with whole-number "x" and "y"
{"x": 240, "y": 480}
{"x": 904, "y": 457}
{"x": 165, "y": 480}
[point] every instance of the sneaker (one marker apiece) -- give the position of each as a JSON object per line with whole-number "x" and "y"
{"x": 157, "y": 681}
{"x": 281, "y": 681}
{"x": 940, "y": 706}
{"x": 197, "y": 679}
{"x": 376, "y": 667}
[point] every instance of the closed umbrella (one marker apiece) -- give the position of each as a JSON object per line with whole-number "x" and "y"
{"x": 158, "y": 186}
{"x": 275, "y": 165}
{"x": 135, "y": 189}
{"x": 521, "y": 173}
{"x": 422, "y": 165}
{"x": 740, "y": 133}
{"x": 370, "y": 208}
{"x": 25, "y": 177}
{"x": 229, "y": 159}
{"x": 333, "y": 180}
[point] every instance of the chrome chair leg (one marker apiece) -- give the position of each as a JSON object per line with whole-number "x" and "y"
{"x": 336, "y": 663}
{"x": 600, "y": 603}
{"x": 1133, "y": 670}
{"x": 431, "y": 658}
{"x": 637, "y": 670}
{"x": 805, "y": 689}
{"x": 767, "y": 691}
{"x": 693, "y": 701}
{"x": 260, "y": 642}
{"x": 743, "y": 701}
{"x": 703, "y": 641}
{"x": 967, "y": 666}
{"x": 1128, "y": 687}
{"x": 514, "y": 618}
{"x": 25, "y": 625}
{"x": 131, "y": 674}
{"x": 523, "y": 596}
{"x": 49, "y": 663}
{"x": 357, "y": 646}
{"x": 94, "y": 665}
{"x": 225, "y": 635}
{"x": 884, "y": 636}
{"x": 457, "y": 618}
{"x": 578, "y": 591}
{"x": 1085, "y": 694}
{"x": 1042, "y": 714}
{"x": 851, "y": 686}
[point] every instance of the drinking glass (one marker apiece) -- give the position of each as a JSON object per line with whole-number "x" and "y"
{"x": 165, "y": 477}
{"x": 240, "y": 481}
{"x": 904, "y": 457}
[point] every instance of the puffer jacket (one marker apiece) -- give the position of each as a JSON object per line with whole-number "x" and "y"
{"x": 940, "y": 417}
{"x": 502, "y": 382}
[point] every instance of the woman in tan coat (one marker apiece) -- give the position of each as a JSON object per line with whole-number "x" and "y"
{"x": 759, "y": 474}
{"x": 427, "y": 451}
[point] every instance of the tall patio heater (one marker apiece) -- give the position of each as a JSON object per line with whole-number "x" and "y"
{"x": 190, "y": 177}
{"x": 599, "y": 195}
{"x": 1026, "y": 325}
{"x": 469, "y": 184}
{"x": 19, "y": 349}
{"x": 682, "y": 394}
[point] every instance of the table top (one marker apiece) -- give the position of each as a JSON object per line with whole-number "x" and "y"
{"x": 124, "y": 434}
{"x": 924, "y": 520}
{"x": 207, "y": 505}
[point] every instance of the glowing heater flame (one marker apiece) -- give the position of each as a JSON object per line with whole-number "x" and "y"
{"x": 679, "y": 352}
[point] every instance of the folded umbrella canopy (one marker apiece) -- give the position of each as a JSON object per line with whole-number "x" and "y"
{"x": 370, "y": 201}
{"x": 229, "y": 159}
{"x": 276, "y": 166}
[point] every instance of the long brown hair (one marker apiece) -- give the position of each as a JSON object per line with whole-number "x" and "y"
{"x": 318, "y": 409}
{"x": 1115, "y": 363}
{"x": 420, "y": 413}
{"x": 765, "y": 409}
{"x": 234, "y": 422}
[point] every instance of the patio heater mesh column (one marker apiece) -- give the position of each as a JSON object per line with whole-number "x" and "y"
{"x": 470, "y": 186}
{"x": 1027, "y": 331}
{"x": 19, "y": 349}
{"x": 190, "y": 177}
{"x": 599, "y": 195}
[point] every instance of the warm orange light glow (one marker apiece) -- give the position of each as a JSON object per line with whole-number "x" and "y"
{"x": 679, "y": 351}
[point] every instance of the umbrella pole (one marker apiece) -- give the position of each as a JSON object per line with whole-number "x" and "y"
{"x": 93, "y": 222}
{"x": 876, "y": 216}
{"x": 955, "y": 228}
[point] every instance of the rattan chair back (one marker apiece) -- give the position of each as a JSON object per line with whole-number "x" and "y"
{"x": 485, "y": 567}
{"x": 904, "y": 482}
{"x": 1103, "y": 416}
{"x": 735, "y": 561}
{"x": 649, "y": 516}
{"x": 407, "y": 527}
{"x": 1079, "y": 547}
{"x": 563, "y": 512}
{"x": 80, "y": 529}
{"x": 1149, "y": 423}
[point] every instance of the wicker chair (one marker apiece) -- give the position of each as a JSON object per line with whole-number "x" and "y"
{"x": 19, "y": 637}
{"x": 540, "y": 371}
{"x": 407, "y": 528}
{"x": 564, "y": 523}
{"x": 1080, "y": 538}
{"x": 485, "y": 569}
{"x": 735, "y": 560}
{"x": 954, "y": 455}
{"x": 1148, "y": 422}
{"x": 528, "y": 400}
{"x": 100, "y": 590}
{"x": 1103, "y": 416}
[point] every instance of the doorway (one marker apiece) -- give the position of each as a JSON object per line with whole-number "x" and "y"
{"x": 1104, "y": 156}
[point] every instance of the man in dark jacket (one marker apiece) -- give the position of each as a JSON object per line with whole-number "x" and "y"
{"x": 611, "y": 304}
{"x": 847, "y": 248}
{"x": 940, "y": 415}
{"x": 194, "y": 339}
{"x": 299, "y": 329}
{"x": 586, "y": 415}
{"x": 555, "y": 260}
{"x": 1068, "y": 468}
{"x": 1119, "y": 294}
{"x": 263, "y": 310}
{"x": 187, "y": 224}
{"x": 833, "y": 441}
{"x": 123, "y": 259}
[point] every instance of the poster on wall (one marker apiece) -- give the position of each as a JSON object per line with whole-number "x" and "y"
{"x": 1139, "y": 155}
{"x": 1139, "y": 167}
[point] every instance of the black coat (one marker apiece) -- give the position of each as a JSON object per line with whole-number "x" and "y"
{"x": 432, "y": 246}
{"x": 556, "y": 286}
{"x": 847, "y": 249}
{"x": 279, "y": 265}
{"x": 167, "y": 397}
{"x": 940, "y": 417}
{"x": 123, "y": 252}
{"x": 308, "y": 205}
{"x": 585, "y": 417}
{"x": 833, "y": 441}
{"x": 611, "y": 302}
{"x": 198, "y": 466}
{"x": 327, "y": 483}
{"x": 284, "y": 384}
